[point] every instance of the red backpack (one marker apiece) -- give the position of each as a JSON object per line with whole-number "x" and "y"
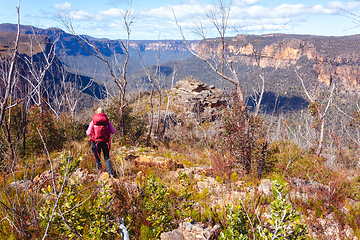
{"x": 101, "y": 130}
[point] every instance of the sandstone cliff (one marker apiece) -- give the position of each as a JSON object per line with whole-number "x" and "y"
{"x": 335, "y": 57}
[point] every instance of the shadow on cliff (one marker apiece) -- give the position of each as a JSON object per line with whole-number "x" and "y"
{"x": 272, "y": 101}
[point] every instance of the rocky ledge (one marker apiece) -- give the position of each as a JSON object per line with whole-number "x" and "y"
{"x": 197, "y": 100}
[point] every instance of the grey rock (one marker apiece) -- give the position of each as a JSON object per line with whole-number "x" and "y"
{"x": 22, "y": 184}
{"x": 192, "y": 231}
{"x": 198, "y": 101}
{"x": 265, "y": 187}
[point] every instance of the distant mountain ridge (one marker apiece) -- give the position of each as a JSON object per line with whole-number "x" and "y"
{"x": 77, "y": 59}
{"x": 66, "y": 43}
{"x": 335, "y": 57}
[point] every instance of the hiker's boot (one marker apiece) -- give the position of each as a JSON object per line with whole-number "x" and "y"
{"x": 109, "y": 168}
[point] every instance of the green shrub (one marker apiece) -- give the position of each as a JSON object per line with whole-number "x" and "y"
{"x": 283, "y": 222}
{"x": 45, "y": 124}
{"x": 157, "y": 206}
{"x": 134, "y": 127}
{"x": 352, "y": 217}
{"x": 293, "y": 162}
{"x": 249, "y": 221}
{"x": 73, "y": 130}
{"x": 238, "y": 224}
{"x": 71, "y": 213}
{"x": 184, "y": 200}
{"x": 145, "y": 233}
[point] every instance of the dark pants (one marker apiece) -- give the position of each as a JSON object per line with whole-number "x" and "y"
{"x": 96, "y": 148}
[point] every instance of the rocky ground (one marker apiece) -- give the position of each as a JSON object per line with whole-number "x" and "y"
{"x": 222, "y": 194}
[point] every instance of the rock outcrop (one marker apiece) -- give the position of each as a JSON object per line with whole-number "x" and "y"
{"x": 195, "y": 100}
{"x": 192, "y": 231}
{"x": 305, "y": 190}
{"x": 278, "y": 54}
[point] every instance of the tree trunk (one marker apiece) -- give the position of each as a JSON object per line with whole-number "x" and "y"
{"x": 151, "y": 117}
{"x": 248, "y": 148}
{"x": 262, "y": 159}
{"x": 321, "y": 138}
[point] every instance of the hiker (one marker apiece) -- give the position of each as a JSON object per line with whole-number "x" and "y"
{"x": 100, "y": 129}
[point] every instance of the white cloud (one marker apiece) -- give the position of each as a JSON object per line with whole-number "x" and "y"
{"x": 319, "y": 9}
{"x": 346, "y": 5}
{"x": 81, "y": 15}
{"x": 290, "y": 10}
{"x": 62, "y": 6}
{"x": 116, "y": 26}
{"x": 258, "y": 11}
{"x": 182, "y": 12}
{"x": 251, "y": 1}
{"x": 243, "y": 3}
{"x": 112, "y": 12}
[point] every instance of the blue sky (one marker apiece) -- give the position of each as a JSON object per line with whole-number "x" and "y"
{"x": 154, "y": 19}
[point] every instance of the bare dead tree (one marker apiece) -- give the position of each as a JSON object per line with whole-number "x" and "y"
{"x": 12, "y": 211}
{"x": 259, "y": 91}
{"x": 219, "y": 17}
{"x": 318, "y": 112}
{"x": 73, "y": 89}
{"x": 8, "y": 80}
{"x": 38, "y": 65}
{"x": 169, "y": 94}
{"x": 153, "y": 78}
{"x": 56, "y": 100}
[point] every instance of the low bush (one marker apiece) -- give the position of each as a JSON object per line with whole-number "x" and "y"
{"x": 252, "y": 221}
{"x": 133, "y": 126}
{"x": 243, "y": 136}
{"x": 43, "y": 129}
{"x": 156, "y": 204}
{"x": 71, "y": 210}
{"x": 73, "y": 130}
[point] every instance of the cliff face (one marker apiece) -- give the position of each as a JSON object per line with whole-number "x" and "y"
{"x": 335, "y": 57}
{"x": 164, "y": 45}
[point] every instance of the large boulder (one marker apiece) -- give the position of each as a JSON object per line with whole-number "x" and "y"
{"x": 196, "y": 100}
{"x": 192, "y": 231}
{"x": 22, "y": 185}
{"x": 306, "y": 189}
{"x": 82, "y": 175}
